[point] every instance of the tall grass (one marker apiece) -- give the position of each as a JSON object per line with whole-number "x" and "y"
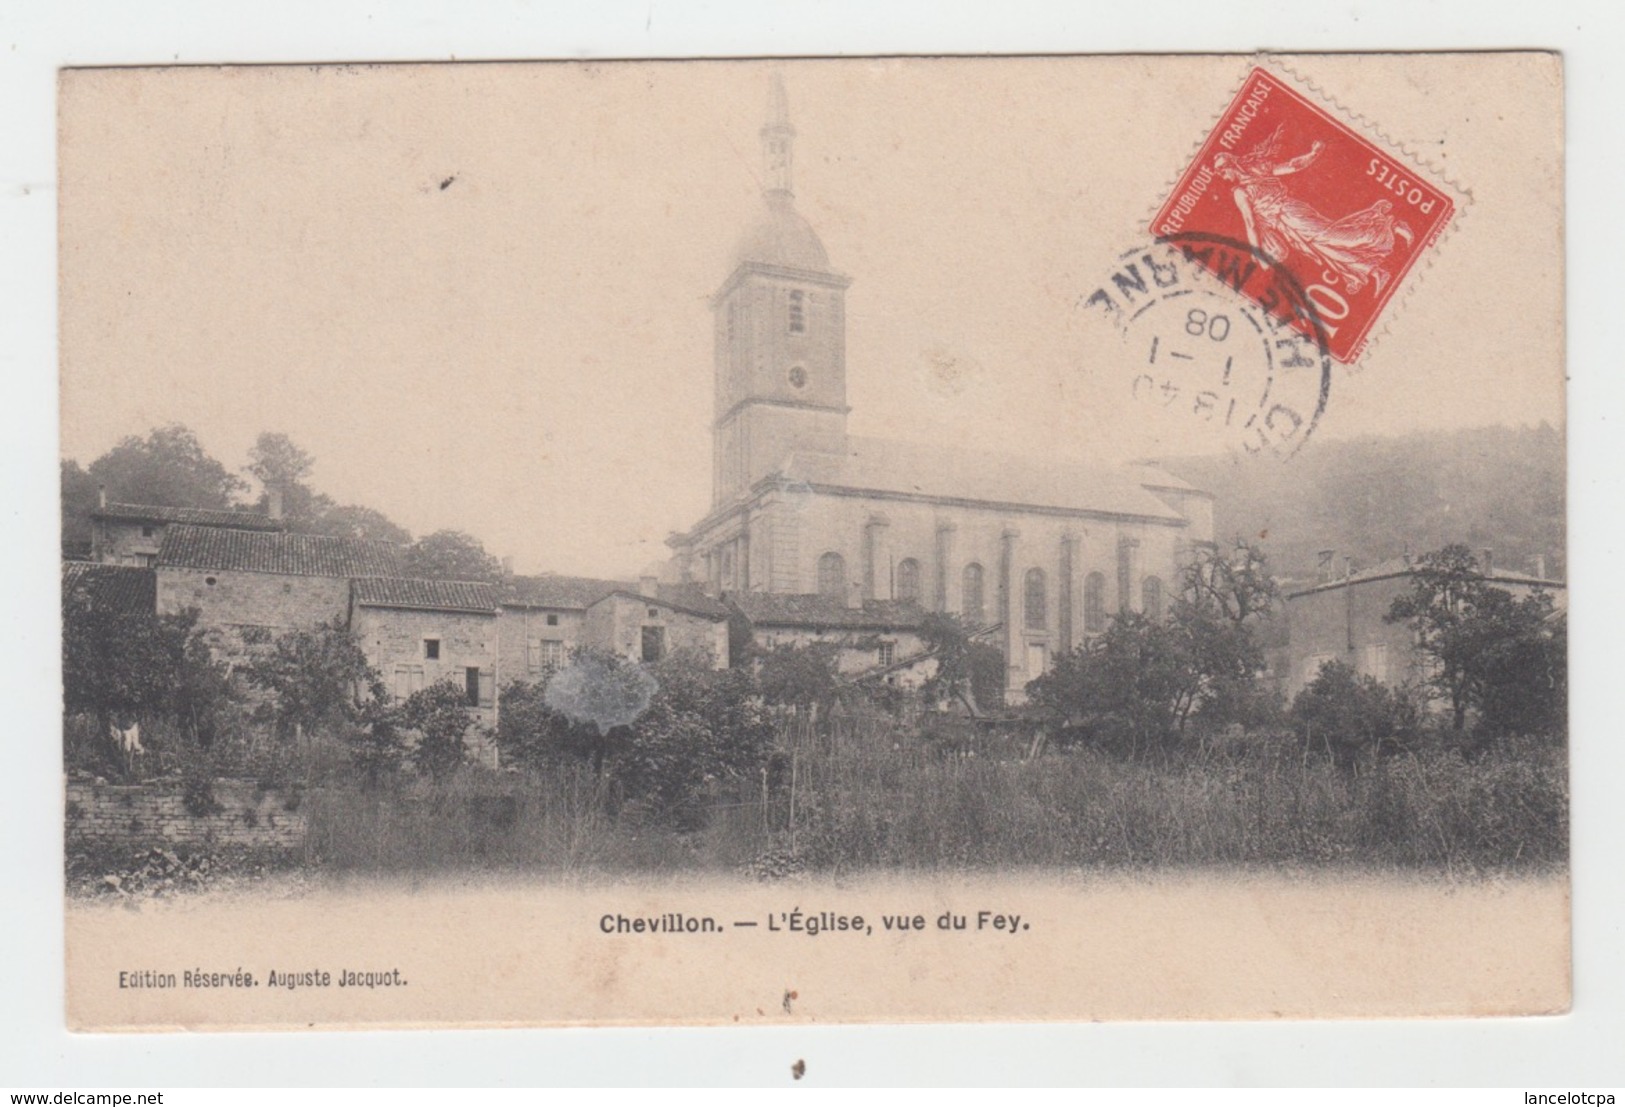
{"x": 867, "y": 793}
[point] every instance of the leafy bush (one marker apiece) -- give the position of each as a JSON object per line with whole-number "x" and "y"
{"x": 970, "y": 670}
{"x": 798, "y": 675}
{"x": 1505, "y": 657}
{"x": 704, "y": 726}
{"x": 532, "y": 734}
{"x": 439, "y": 714}
{"x": 1345, "y": 713}
{"x": 696, "y": 728}
{"x": 121, "y": 667}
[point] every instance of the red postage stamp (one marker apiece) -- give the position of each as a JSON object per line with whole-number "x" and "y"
{"x": 1282, "y": 183}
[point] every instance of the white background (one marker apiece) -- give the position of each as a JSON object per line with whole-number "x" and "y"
{"x": 1583, "y": 1050}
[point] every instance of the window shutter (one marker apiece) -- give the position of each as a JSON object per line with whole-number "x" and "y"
{"x": 487, "y": 688}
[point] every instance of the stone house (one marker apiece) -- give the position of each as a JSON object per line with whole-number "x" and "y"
{"x": 1344, "y": 619}
{"x": 546, "y": 618}
{"x": 870, "y": 634}
{"x": 647, "y": 628}
{"x": 250, "y": 585}
{"x": 420, "y": 632}
{"x": 132, "y": 534}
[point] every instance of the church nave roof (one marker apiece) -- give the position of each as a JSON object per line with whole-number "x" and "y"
{"x": 953, "y": 473}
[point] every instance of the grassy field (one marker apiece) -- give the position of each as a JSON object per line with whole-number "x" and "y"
{"x": 864, "y": 797}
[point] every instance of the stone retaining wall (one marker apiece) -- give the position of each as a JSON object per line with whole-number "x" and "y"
{"x": 156, "y": 813}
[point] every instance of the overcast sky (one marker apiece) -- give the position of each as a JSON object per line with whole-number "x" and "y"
{"x": 525, "y": 353}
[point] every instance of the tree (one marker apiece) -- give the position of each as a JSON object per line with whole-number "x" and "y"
{"x": 1236, "y": 586}
{"x": 798, "y": 675}
{"x": 277, "y": 463}
{"x": 662, "y": 736}
{"x": 1130, "y": 688}
{"x": 282, "y": 467}
{"x": 703, "y": 726}
{"x": 533, "y": 734}
{"x": 1526, "y": 680}
{"x": 167, "y": 468}
{"x": 1484, "y": 648}
{"x": 969, "y": 670}
{"x": 439, "y": 713}
{"x": 602, "y": 692}
{"x": 377, "y": 747}
{"x": 318, "y": 679}
{"x": 355, "y": 521}
{"x": 1347, "y": 712}
{"x": 78, "y": 501}
{"x": 451, "y": 555}
{"x": 126, "y": 667}
{"x": 1226, "y": 662}
{"x": 1137, "y": 685}
{"x": 275, "y": 460}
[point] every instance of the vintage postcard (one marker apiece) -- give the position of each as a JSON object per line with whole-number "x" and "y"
{"x": 888, "y": 539}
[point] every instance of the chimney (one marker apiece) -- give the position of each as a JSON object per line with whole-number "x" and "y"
{"x": 273, "y": 496}
{"x": 101, "y": 496}
{"x": 649, "y": 586}
{"x": 1324, "y": 570}
{"x": 507, "y": 566}
{"x": 1540, "y": 566}
{"x": 854, "y": 594}
{"x": 1488, "y": 564}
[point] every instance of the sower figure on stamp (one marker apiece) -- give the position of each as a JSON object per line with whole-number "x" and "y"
{"x": 1353, "y": 247}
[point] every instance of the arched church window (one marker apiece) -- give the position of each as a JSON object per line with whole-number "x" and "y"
{"x": 798, "y": 312}
{"x": 1151, "y": 598}
{"x": 971, "y": 604}
{"x": 832, "y": 575}
{"x": 908, "y": 580}
{"x": 1037, "y": 600}
{"x": 1094, "y": 603}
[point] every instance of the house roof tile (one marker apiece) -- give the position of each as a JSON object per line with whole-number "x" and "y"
{"x": 193, "y": 516}
{"x": 551, "y": 590}
{"x": 124, "y": 589}
{"x": 426, "y": 595}
{"x": 314, "y": 555}
{"x": 554, "y": 590}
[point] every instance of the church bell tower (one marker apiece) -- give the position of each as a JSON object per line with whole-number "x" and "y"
{"x": 780, "y": 333}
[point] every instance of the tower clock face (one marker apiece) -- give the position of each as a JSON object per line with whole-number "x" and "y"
{"x": 798, "y": 377}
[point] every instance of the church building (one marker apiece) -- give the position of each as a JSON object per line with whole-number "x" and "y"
{"x": 1045, "y": 551}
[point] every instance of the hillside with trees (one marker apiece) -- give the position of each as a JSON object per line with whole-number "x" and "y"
{"x": 168, "y": 467}
{"x": 1370, "y": 498}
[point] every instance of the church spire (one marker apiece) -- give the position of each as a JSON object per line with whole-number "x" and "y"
{"x": 778, "y": 137}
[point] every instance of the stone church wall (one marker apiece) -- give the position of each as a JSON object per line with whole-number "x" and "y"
{"x": 874, "y": 535}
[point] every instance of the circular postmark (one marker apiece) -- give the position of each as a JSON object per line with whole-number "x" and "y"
{"x": 1211, "y": 343}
